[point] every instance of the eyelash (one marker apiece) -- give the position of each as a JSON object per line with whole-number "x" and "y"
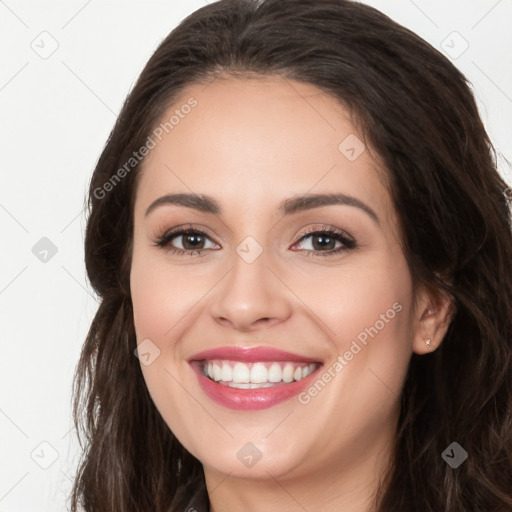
{"x": 338, "y": 235}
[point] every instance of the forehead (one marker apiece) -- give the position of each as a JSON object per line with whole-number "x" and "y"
{"x": 243, "y": 137}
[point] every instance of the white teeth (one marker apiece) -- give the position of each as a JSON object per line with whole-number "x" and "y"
{"x": 256, "y": 375}
{"x": 275, "y": 374}
{"x": 217, "y": 373}
{"x": 308, "y": 369}
{"x": 227, "y": 373}
{"x": 240, "y": 385}
{"x": 288, "y": 373}
{"x": 259, "y": 373}
{"x": 249, "y": 385}
{"x": 241, "y": 373}
{"x": 262, "y": 385}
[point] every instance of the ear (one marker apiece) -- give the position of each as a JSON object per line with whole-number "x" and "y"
{"x": 434, "y": 311}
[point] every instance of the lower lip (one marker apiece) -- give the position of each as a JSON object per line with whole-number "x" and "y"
{"x": 250, "y": 399}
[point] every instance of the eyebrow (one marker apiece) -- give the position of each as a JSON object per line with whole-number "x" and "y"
{"x": 289, "y": 206}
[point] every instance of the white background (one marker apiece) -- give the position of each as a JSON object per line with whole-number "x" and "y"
{"x": 56, "y": 114}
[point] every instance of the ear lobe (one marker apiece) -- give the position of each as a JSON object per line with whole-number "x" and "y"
{"x": 435, "y": 310}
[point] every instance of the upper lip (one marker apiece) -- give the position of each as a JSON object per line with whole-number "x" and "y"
{"x": 250, "y": 355}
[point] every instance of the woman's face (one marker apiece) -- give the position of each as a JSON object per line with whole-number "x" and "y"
{"x": 300, "y": 261}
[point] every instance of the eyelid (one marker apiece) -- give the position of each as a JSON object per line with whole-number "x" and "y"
{"x": 177, "y": 230}
{"x": 325, "y": 228}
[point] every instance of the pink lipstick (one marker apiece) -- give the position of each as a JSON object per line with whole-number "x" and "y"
{"x": 252, "y": 378}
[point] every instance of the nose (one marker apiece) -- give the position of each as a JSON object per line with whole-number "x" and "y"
{"x": 251, "y": 296}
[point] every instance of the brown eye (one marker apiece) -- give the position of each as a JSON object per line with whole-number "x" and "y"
{"x": 185, "y": 241}
{"x": 326, "y": 242}
{"x": 192, "y": 241}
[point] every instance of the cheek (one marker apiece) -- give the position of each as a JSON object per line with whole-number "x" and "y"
{"x": 151, "y": 300}
{"x": 365, "y": 310}
{"x": 373, "y": 338}
{"x": 364, "y": 301}
{"x": 161, "y": 296}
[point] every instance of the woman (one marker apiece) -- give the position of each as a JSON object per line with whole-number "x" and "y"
{"x": 302, "y": 245}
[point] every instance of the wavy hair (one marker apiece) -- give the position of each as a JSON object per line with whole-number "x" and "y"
{"x": 418, "y": 113}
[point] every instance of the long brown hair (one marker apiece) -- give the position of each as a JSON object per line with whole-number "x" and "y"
{"x": 417, "y": 112}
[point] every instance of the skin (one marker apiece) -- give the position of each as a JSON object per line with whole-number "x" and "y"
{"x": 251, "y": 143}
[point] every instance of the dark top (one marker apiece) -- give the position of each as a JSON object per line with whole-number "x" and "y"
{"x": 198, "y": 503}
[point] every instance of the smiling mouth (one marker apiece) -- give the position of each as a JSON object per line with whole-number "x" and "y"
{"x": 255, "y": 375}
